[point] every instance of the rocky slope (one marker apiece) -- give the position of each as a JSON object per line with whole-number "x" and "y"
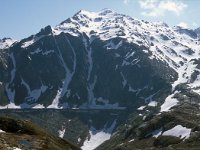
{"x": 149, "y": 129}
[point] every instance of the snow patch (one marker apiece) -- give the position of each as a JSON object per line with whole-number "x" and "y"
{"x": 131, "y": 140}
{"x": 38, "y": 51}
{"x": 145, "y": 51}
{"x": 153, "y": 104}
{"x": 124, "y": 82}
{"x": 169, "y": 103}
{"x": 27, "y": 43}
{"x": 141, "y": 108}
{"x": 1, "y": 131}
{"x": 97, "y": 137}
{"x": 32, "y": 41}
{"x": 10, "y": 106}
{"x": 61, "y": 133}
{"x": 178, "y": 131}
{"x": 38, "y": 106}
{"x": 157, "y": 133}
{"x": 33, "y": 95}
{"x": 55, "y": 102}
{"x": 15, "y": 148}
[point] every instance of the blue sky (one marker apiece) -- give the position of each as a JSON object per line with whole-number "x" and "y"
{"x": 21, "y": 18}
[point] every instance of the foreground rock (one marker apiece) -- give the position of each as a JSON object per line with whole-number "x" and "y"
{"x": 17, "y": 134}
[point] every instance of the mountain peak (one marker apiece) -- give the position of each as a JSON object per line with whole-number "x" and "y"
{"x": 91, "y": 14}
{"x": 6, "y": 42}
{"x": 106, "y": 11}
{"x": 82, "y": 11}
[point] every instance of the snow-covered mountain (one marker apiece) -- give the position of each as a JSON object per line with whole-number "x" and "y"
{"x": 100, "y": 60}
{"x": 106, "y": 60}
